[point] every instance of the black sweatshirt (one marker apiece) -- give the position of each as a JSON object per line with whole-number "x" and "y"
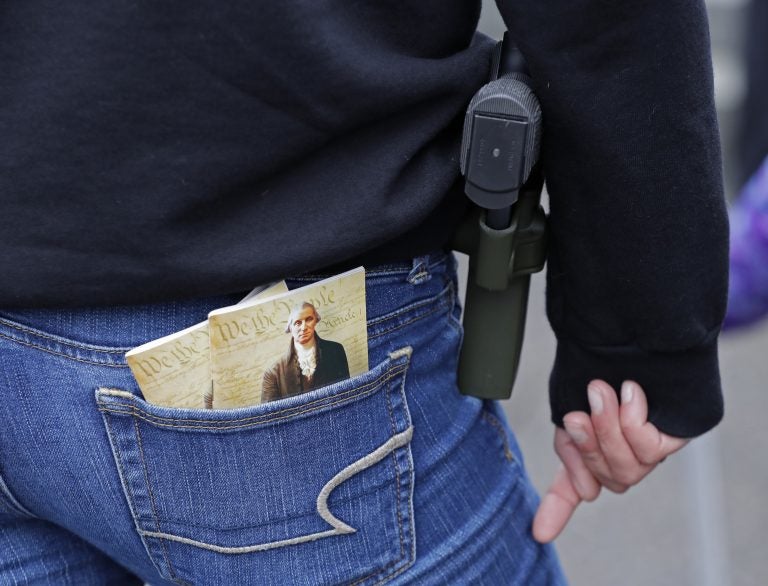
{"x": 156, "y": 150}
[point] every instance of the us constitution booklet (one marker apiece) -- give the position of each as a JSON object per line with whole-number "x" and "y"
{"x": 267, "y": 349}
{"x": 174, "y": 371}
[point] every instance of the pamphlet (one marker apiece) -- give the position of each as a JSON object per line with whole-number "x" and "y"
{"x": 267, "y": 349}
{"x": 174, "y": 371}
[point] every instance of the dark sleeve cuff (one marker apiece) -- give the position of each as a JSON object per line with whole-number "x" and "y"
{"x": 683, "y": 388}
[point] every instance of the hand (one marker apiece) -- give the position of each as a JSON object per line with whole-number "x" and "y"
{"x": 615, "y": 448}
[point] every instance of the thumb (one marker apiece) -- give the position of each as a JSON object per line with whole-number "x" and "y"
{"x": 556, "y": 508}
{"x": 647, "y": 442}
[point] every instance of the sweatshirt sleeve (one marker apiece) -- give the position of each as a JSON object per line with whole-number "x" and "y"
{"x": 638, "y": 261}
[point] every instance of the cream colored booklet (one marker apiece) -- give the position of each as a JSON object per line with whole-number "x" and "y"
{"x": 174, "y": 371}
{"x": 289, "y": 344}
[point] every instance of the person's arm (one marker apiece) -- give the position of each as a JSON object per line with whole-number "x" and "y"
{"x": 637, "y": 270}
{"x": 637, "y": 273}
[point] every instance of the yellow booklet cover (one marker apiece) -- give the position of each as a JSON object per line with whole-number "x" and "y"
{"x": 174, "y": 371}
{"x": 289, "y": 344}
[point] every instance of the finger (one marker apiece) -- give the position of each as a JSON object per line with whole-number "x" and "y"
{"x": 624, "y": 466}
{"x": 586, "y": 485}
{"x": 649, "y": 445}
{"x": 556, "y": 508}
{"x": 579, "y": 427}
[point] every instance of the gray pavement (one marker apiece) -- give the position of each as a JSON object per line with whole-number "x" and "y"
{"x": 700, "y": 518}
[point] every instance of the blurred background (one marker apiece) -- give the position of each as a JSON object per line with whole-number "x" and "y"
{"x": 700, "y": 519}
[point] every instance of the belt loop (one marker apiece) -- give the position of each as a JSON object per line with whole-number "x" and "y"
{"x": 420, "y": 271}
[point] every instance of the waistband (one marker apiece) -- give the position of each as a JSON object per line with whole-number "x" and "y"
{"x": 388, "y": 287}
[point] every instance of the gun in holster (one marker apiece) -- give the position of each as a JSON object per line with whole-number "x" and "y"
{"x": 505, "y": 234}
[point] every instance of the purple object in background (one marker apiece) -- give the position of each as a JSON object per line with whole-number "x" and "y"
{"x": 748, "y": 285}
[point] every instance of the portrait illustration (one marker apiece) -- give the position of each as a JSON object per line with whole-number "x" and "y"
{"x": 309, "y": 361}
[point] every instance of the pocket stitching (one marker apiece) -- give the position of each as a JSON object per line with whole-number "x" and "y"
{"x": 381, "y": 383}
{"x": 128, "y": 493}
{"x": 140, "y": 443}
{"x": 403, "y": 554}
{"x": 331, "y": 401}
{"x": 401, "y": 530}
{"x": 339, "y": 527}
{"x": 393, "y": 428}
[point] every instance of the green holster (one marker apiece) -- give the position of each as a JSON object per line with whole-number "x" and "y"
{"x": 500, "y": 266}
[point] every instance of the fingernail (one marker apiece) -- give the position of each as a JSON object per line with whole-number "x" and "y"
{"x": 595, "y": 401}
{"x": 576, "y": 432}
{"x": 627, "y": 390}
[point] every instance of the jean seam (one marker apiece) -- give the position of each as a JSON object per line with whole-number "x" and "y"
{"x": 51, "y": 351}
{"x": 225, "y": 425}
{"x": 393, "y": 427}
{"x": 155, "y": 518}
{"x": 375, "y": 321}
{"x": 437, "y": 301}
{"x": 393, "y": 430}
{"x": 127, "y": 491}
{"x": 60, "y": 340}
{"x": 494, "y": 422}
{"x": 398, "y": 499}
{"x": 11, "y": 502}
{"x": 408, "y": 469}
{"x": 453, "y": 321}
{"x": 299, "y": 409}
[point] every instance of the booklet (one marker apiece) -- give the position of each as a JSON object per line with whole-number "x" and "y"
{"x": 267, "y": 349}
{"x": 174, "y": 371}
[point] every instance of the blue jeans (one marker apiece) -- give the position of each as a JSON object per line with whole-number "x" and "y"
{"x": 389, "y": 477}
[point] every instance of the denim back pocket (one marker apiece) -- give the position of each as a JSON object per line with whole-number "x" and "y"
{"x": 311, "y": 489}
